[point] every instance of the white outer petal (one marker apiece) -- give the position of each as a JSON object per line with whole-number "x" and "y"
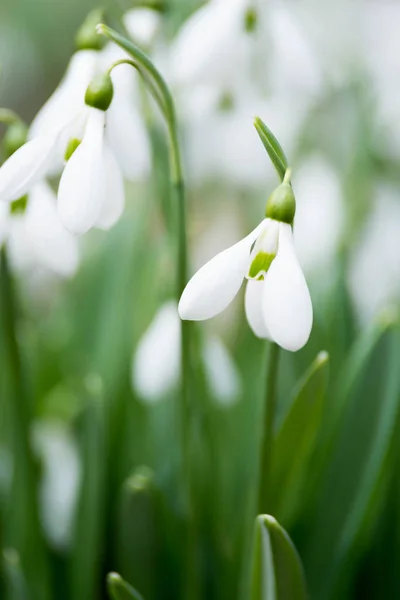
{"x": 81, "y": 190}
{"x": 253, "y": 307}
{"x": 156, "y": 364}
{"x": 68, "y": 98}
{"x": 26, "y": 166}
{"x": 287, "y": 304}
{"x": 51, "y": 245}
{"x": 216, "y": 284}
{"x": 114, "y": 192}
{"x": 221, "y": 372}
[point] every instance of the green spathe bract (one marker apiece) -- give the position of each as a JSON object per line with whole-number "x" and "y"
{"x": 100, "y": 91}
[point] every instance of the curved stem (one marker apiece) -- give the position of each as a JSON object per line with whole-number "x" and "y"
{"x": 268, "y": 420}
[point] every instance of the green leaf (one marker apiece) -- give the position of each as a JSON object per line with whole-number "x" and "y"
{"x": 351, "y": 489}
{"x": 273, "y": 147}
{"x": 277, "y": 573}
{"x": 118, "y": 589}
{"x": 296, "y": 439}
{"x": 14, "y": 578}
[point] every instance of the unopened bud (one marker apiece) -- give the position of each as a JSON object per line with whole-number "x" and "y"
{"x": 281, "y": 205}
{"x": 100, "y": 91}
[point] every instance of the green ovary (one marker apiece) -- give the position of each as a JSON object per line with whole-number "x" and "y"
{"x": 260, "y": 265}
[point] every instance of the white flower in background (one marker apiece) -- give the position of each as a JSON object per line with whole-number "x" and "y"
{"x": 319, "y": 215}
{"x": 61, "y": 476}
{"x": 374, "y": 270}
{"x": 156, "y": 363}
{"x": 126, "y": 132}
{"x": 35, "y": 236}
{"x": 91, "y": 190}
{"x": 143, "y": 25}
{"x": 215, "y": 44}
{"x": 277, "y": 302}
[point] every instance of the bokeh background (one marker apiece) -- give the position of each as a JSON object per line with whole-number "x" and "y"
{"x": 89, "y": 457}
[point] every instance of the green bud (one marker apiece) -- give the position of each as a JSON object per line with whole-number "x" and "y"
{"x": 250, "y": 20}
{"x": 87, "y": 37}
{"x": 71, "y": 147}
{"x": 281, "y": 205}
{"x": 18, "y": 207}
{"x": 100, "y": 91}
{"x": 15, "y": 137}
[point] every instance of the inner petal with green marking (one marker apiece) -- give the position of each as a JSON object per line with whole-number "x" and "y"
{"x": 264, "y": 251}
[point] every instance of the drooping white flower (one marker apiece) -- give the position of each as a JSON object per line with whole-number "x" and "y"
{"x": 142, "y": 24}
{"x": 91, "y": 190}
{"x": 214, "y": 44}
{"x": 156, "y": 363}
{"x": 320, "y": 214}
{"x": 35, "y": 236}
{"x": 278, "y": 304}
{"x": 374, "y": 271}
{"x": 59, "y": 485}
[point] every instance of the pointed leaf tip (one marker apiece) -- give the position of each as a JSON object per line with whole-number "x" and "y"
{"x": 277, "y": 573}
{"x": 119, "y": 589}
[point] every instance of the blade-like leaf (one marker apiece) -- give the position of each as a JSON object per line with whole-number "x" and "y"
{"x": 277, "y": 573}
{"x": 351, "y": 490}
{"x": 118, "y": 589}
{"x": 296, "y": 438}
{"x": 272, "y": 146}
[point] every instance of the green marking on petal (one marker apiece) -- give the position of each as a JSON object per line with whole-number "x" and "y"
{"x": 18, "y": 207}
{"x": 250, "y": 20}
{"x": 260, "y": 265}
{"x": 71, "y": 147}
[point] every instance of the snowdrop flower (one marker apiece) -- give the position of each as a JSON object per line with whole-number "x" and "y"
{"x": 215, "y": 44}
{"x": 277, "y": 302}
{"x": 126, "y": 132}
{"x": 60, "y": 480}
{"x": 374, "y": 270}
{"x": 142, "y": 25}
{"x": 319, "y": 216}
{"x": 156, "y": 363}
{"x": 91, "y": 189}
{"x": 35, "y": 237}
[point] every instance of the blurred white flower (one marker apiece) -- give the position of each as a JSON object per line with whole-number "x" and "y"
{"x": 214, "y": 45}
{"x": 319, "y": 214}
{"x": 278, "y": 304}
{"x": 59, "y": 486}
{"x": 156, "y": 363}
{"x": 35, "y": 236}
{"x": 142, "y": 25}
{"x": 374, "y": 270}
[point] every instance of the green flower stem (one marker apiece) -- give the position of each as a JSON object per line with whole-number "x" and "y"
{"x": 162, "y": 95}
{"x": 268, "y": 420}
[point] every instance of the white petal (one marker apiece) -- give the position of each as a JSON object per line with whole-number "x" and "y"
{"x": 26, "y": 166}
{"x": 216, "y": 284}
{"x": 126, "y": 131}
{"x": 142, "y": 24}
{"x": 114, "y": 192}
{"x": 211, "y": 45}
{"x": 253, "y": 302}
{"x": 51, "y": 245}
{"x": 68, "y": 98}
{"x": 156, "y": 364}
{"x": 221, "y": 372}
{"x": 81, "y": 190}
{"x": 287, "y": 304}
